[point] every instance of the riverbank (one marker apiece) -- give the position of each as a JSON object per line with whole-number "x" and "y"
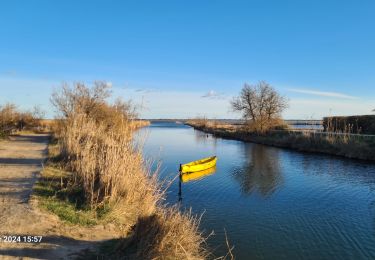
{"x": 354, "y": 147}
{"x": 146, "y": 228}
{"x": 96, "y": 175}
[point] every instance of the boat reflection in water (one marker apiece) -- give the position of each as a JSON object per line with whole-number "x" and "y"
{"x": 194, "y": 176}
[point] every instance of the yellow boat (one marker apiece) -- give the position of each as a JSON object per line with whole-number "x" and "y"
{"x": 186, "y": 177}
{"x": 199, "y": 165}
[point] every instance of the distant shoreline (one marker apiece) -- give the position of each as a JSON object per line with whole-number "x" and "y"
{"x": 238, "y": 121}
{"x": 343, "y": 145}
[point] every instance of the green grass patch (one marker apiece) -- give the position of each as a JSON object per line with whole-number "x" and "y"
{"x": 56, "y": 194}
{"x": 69, "y": 213}
{"x": 3, "y": 135}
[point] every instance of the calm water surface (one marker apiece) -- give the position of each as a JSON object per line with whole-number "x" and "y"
{"x": 274, "y": 203}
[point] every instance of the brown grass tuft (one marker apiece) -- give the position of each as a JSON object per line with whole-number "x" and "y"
{"x": 169, "y": 234}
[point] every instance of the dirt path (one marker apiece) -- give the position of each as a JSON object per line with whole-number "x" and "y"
{"x": 21, "y": 160}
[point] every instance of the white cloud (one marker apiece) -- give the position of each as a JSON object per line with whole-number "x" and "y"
{"x": 322, "y": 93}
{"x": 144, "y": 90}
{"x": 213, "y": 95}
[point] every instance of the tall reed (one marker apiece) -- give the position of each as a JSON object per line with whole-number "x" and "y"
{"x": 98, "y": 147}
{"x": 108, "y": 165}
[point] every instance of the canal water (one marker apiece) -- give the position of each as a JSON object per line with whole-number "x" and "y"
{"x": 273, "y": 203}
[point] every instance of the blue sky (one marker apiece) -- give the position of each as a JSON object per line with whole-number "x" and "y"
{"x": 189, "y": 58}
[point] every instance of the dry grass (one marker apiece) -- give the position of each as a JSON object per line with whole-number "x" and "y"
{"x": 12, "y": 119}
{"x": 210, "y": 123}
{"x": 364, "y": 124}
{"x": 140, "y": 123}
{"x": 168, "y": 234}
{"x": 342, "y": 144}
{"x": 100, "y": 152}
{"x": 106, "y": 163}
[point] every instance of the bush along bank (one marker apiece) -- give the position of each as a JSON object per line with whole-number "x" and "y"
{"x": 105, "y": 179}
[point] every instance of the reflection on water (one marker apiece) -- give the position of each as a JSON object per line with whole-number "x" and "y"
{"x": 260, "y": 171}
{"x": 194, "y": 176}
{"x": 274, "y": 203}
{"x": 204, "y": 138}
{"x": 340, "y": 169}
{"x": 179, "y": 190}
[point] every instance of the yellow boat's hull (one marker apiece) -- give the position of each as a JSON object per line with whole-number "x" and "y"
{"x": 186, "y": 177}
{"x": 199, "y": 165}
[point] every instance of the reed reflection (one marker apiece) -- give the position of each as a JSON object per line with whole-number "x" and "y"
{"x": 261, "y": 172}
{"x": 204, "y": 138}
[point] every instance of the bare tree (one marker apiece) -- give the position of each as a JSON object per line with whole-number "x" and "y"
{"x": 81, "y": 102}
{"x": 38, "y": 113}
{"x": 80, "y": 99}
{"x": 261, "y": 105}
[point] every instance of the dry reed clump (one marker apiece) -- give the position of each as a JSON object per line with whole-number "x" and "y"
{"x": 343, "y": 144}
{"x": 249, "y": 127}
{"x": 364, "y": 124}
{"x": 13, "y": 119}
{"x": 201, "y": 122}
{"x": 108, "y": 165}
{"x": 205, "y": 123}
{"x": 109, "y": 168}
{"x": 169, "y": 234}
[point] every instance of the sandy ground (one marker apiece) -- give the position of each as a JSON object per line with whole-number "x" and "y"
{"x": 21, "y": 160}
